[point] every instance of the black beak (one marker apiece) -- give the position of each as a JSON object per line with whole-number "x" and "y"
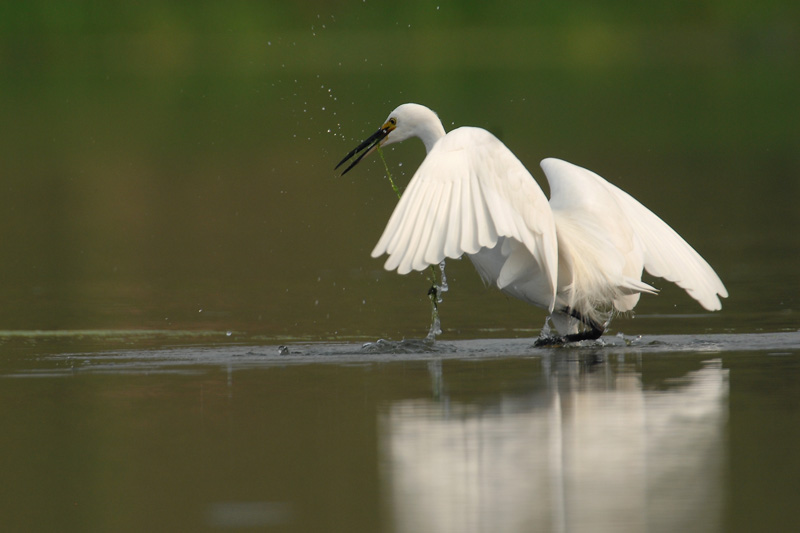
{"x": 368, "y": 146}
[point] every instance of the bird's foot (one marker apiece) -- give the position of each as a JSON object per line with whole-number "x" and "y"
{"x": 548, "y": 340}
{"x": 592, "y": 332}
{"x": 560, "y": 340}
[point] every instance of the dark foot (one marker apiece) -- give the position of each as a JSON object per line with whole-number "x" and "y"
{"x": 588, "y": 335}
{"x": 593, "y": 332}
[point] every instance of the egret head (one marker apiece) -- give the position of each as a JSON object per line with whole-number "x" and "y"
{"x": 408, "y": 120}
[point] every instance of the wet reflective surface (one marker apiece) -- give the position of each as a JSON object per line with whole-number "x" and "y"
{"x": 586, "y": 449}
{"x": 657, "y": 433}
{"x": 186, "y": 287}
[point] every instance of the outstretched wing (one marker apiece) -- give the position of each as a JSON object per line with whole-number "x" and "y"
{"x": 469, "y": 192}
{"x": 661, "y": 250}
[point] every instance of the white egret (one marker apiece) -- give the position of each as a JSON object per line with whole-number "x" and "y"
{"x": 580, "y": 256}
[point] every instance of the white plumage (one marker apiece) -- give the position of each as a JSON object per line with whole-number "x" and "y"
{"x": 580, "y": 256}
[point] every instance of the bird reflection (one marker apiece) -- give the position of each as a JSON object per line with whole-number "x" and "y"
{"x": 590, "y": 449}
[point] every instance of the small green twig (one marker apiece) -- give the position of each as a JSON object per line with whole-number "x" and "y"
{"x": 389, "y": 174}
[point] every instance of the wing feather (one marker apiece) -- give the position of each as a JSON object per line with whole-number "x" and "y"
{"x": 669, "y": 256}
{"x": 636, "y": 232}
{"x": 399, "y": 230}
{"x": 416, "y": 234}
{"x": 486, "y": 234}
{"x": 432, "y": 220}
{"x": 434, "y": 252}
{"x": 391, "y": 235}
{"x": 469, "y": 227}
{"x": 453, "y": 235}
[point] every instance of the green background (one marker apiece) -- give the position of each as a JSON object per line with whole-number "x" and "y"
{"x": 169, "y": 165}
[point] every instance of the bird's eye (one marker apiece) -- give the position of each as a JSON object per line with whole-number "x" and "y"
{"x": 393, "y": 121}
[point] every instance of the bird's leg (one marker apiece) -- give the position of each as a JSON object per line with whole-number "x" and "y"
{"x": 433, "y": 294}
{"x": 594, "y": 331}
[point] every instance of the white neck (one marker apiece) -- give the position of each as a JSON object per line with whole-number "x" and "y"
{"x": 432, "y": 132}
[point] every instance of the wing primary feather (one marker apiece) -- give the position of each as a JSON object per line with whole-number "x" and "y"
{"x": 428, "y": 229}
{"x": 435, "y": 252}
{"x": 399, "y": 242}
{"x": 410, "y": 245}
{"x": 452, "y": 246}
{"x": 398, "y": 218}
{"x": 408, "y": 207}
{"x": 483, "y": 221}
{"x": 468, "y": 238}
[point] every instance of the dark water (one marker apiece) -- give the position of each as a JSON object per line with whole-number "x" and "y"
{"x": 170, "y": 218}
{"x": 657, "y": 433}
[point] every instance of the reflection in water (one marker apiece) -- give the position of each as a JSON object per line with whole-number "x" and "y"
{"x": 588, "y": 450}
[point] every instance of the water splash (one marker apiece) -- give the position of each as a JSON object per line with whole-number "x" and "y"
{"x": 435, "y": 294}
{"x": 443, "y": 287}
{"x": 629, "y": 341}
{"x": 546, "y": 331}
{"x": 405, "y": 346}
{"x": 436, "y": 326}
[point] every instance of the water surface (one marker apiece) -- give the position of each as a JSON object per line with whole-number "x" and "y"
{"x": 661, "y": 432}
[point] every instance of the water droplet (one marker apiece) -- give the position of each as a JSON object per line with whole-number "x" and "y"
{"x": 443, "y": 285}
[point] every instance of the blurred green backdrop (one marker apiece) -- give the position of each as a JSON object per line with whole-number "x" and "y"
{"x": 169, "y": 165}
